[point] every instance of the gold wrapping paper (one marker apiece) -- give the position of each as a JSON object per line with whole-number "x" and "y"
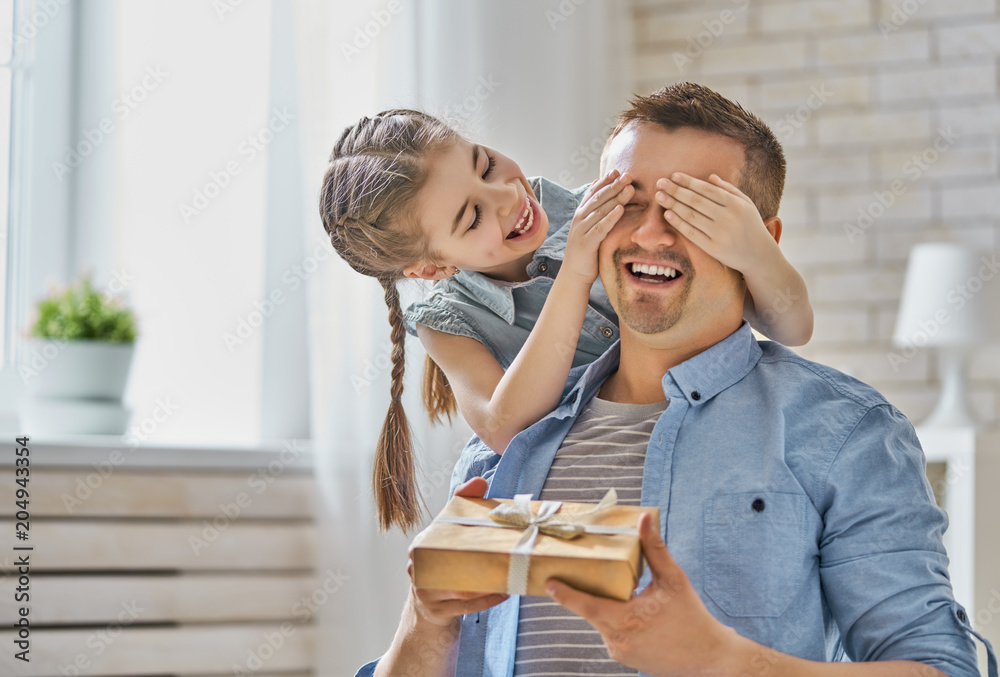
{"x": 477, "y": 558}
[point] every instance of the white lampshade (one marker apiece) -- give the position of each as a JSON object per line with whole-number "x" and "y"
{"x": 951, "y": 297}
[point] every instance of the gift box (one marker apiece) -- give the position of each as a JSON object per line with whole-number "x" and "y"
{"x": 496, "y": 545}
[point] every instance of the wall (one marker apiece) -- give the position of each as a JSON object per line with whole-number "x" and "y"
{"x": 863, "y": 93}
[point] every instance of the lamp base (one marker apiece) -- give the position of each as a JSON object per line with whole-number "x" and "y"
{"x": 951, "y": 410}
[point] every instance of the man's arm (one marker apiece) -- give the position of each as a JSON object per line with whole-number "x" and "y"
{"x": 426, "y": 641}
{"x": 667, "y": 630}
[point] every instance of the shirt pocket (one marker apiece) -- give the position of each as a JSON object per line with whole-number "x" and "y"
{"x": 754, "y": 547}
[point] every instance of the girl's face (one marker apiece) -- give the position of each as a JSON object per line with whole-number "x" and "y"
{"x": 478, "y": 213}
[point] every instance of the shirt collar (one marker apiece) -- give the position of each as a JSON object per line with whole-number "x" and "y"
{"x": 698, "y": 379}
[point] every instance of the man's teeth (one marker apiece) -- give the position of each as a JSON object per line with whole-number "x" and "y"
{"x": 647, "y": 269}
{"x": 521, "y": 228}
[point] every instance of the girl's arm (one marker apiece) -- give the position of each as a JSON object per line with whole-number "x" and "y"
{"x": 716, "y": 216}
{"x": 499, "y": 405}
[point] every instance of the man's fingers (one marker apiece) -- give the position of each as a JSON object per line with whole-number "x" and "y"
{"x": 474, "y": 488}
{"x": 582, "y": 604}
{"x": 655, "y": 550}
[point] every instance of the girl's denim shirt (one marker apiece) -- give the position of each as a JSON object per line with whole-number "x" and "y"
{"x": 500, "y": 315}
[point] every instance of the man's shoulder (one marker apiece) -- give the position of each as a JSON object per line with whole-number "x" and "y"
{"x": 799, "y": 374}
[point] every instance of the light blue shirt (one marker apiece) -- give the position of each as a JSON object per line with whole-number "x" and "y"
{"x": 500, "y": 315}
{"x": 793, "y": 496}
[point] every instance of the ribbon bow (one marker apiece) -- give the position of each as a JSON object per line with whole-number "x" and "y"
{"x": 518, "y": 515}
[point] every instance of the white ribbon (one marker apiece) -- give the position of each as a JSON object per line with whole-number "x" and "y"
{"x": 519, "y": 516}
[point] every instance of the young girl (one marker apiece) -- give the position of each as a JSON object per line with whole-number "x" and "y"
{"x": 518, "y": 301}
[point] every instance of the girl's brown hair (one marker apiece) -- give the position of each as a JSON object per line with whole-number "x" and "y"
{"x": 376, "y": 169}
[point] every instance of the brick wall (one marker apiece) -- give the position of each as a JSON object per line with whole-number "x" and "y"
{"x": 854, "y": 89}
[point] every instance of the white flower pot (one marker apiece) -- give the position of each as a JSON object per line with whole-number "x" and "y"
{"x": 83, "y": 369}
{"x": 75, "y": 387}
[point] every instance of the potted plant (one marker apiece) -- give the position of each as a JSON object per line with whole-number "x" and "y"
{"x": 77, "y": 361}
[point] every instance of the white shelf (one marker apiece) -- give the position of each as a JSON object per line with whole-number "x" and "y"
{"x": 956, "y": 448}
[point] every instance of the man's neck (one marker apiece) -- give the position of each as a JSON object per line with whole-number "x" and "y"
{"x": 645, "y": 359}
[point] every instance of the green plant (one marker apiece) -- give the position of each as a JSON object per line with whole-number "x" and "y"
{"x": 81, "y": 313}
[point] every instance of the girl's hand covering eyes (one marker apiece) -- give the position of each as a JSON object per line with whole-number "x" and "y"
{"x": 597, "y": 214}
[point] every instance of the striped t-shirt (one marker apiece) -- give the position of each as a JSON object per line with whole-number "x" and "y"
{"x": 605, "y": 448}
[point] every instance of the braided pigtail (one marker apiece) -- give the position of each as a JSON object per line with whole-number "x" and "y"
{"x": 439, "y": 399}
{"x": 376, "y": 170}
{"x": 393, "y": 475}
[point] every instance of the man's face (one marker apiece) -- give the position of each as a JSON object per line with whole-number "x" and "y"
{"x": 701, "y": 291}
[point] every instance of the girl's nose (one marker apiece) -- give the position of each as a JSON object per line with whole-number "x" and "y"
{"x": 508, "y": 198}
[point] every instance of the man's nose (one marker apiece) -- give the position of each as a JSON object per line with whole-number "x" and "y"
{"x": 653, "y": 230}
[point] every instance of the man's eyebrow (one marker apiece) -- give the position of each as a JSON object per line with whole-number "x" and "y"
{"x": 465, "y": 205}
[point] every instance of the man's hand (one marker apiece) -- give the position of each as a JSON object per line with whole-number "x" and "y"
{"x": 719, "y": 218}
{"x": 443, "y": 607}
{"x": 665, "y": 630}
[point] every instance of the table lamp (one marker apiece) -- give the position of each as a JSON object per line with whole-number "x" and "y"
{"x": 951, "y": 301}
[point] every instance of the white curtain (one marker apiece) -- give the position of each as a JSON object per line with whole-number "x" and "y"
{"x": 537, "y": 81}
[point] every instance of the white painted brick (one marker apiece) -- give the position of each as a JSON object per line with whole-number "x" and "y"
{"x": 985, "y": 363}
{"x": 838, "y": 326}
{"x": 851, "y": 90}
{"x": 736, "y": 89}
{"x": 893, "y": 245}
{"x": 956, "y": 161}
{"x": 658, "y": 65}
{"x": 842, "y": 206}
{"x": 755, "y": 58}
{"x": 858, "y": 286}
{"x": 811, "y": 168}
{"x": 794, "y": 209}
{"x": 885, "y": 324}
{"x": 898, "y": 12}
{"x": 875, "y": 127}
{"x": 872, "y": 365}
{"x": 972, "y": 119}
{"x": 979, "y": 38}
{"x": 931, "y": 83}
{"x": 811, "y": 249}
{"x": 679, "y": 24}
{"x": 813, "y": 15}
{"x": 872, "y": 49}
{"x": 960, "y": 201}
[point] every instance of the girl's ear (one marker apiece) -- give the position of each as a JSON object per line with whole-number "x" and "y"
{"x": 428, "y": 271}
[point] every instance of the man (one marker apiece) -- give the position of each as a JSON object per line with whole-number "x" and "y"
{"x": 799, "y": 526}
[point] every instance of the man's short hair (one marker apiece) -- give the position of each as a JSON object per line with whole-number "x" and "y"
{"x": 686, "y": 104}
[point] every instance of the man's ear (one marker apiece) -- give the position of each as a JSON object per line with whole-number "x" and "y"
{"x": 773, "y": 226}
{"x": 428, "y": 271}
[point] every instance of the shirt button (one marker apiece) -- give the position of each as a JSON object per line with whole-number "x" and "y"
{"x": 757, "y": 505}
{"x": 962, "y": 617}
{"x": 542, "y": 267}
{"x": 695, "y": 395}
{"x": 608, "y": 332}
